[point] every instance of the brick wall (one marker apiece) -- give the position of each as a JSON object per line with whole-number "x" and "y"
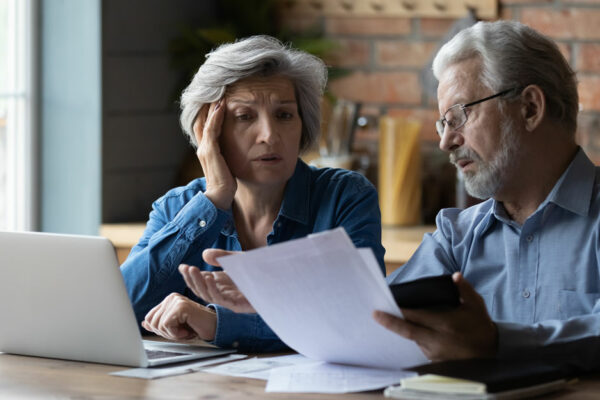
{"x": 384, "y": 57}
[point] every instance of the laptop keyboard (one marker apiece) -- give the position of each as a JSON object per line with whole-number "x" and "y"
{"x": 154, "y": 354}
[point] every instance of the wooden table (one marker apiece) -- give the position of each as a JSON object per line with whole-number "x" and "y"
{"x": 32, "y": 377}
{"x": 41, "y": 378}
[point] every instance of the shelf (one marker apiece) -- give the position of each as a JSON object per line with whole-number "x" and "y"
{"x": 400, "y": 242}
{"x": 486, "y": 9}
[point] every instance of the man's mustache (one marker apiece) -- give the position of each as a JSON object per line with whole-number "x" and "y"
{"x": 463, "y": 153}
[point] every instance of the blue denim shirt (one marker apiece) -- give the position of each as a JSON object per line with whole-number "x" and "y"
{"x": 184, "y": 222}
{"x": 540, "y": 281}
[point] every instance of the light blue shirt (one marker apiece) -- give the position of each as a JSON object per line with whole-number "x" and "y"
{"x": 540, "y": 281}
{"x": 184, "y": 222}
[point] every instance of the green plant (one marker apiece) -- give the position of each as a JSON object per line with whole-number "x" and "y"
{"x": 236, "y": 19}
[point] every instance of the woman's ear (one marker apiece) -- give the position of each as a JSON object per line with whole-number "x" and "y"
{"x": 533, "y": 106}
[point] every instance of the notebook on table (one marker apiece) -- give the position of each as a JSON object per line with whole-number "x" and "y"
{"x": 480, "y": 379}
{"x": 63, "y": 296}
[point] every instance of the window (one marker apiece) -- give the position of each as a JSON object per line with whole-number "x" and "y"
{"x": 17, "y": 122}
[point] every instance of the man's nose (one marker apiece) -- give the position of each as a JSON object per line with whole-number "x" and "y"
{"x": 451, "y": 139}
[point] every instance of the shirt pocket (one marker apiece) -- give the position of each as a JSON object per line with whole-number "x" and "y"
{"x": 573, "y": 303}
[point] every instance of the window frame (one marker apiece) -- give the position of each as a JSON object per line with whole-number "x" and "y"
{"x": 21, "y": 161}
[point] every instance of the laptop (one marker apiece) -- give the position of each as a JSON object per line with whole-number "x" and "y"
{"x": 63, "y": 296}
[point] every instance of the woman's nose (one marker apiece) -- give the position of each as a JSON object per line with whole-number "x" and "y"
{"x": 268, "y": 131}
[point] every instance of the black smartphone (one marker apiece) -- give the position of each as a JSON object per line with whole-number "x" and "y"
{"x": 431, "y": 292}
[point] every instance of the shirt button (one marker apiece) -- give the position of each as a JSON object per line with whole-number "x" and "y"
{"x": 235, "y": 344}
{"x": 278, "y": 224}
{"x": 529, "y": 238}
{"x": 526, "y": 293}
{"x": 202, "y": 223}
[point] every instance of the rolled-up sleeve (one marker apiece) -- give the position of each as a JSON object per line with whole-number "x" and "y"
{"x": 150, "y": 272}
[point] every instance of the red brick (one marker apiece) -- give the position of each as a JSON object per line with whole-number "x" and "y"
{"x": 350, "y": 53}
{"x": 368, "y": 25}
{"x": 571, "y": 23}
{"x": 505, "y": 13}
{"x": 426, "y": 117}
{"x": 588, "y": 135}
{"x": 565, "y": 50}
{"x": 582, "y": 1}
{"x": 379, "y": 87}
{"x": 589, "y": 92}
{"x": 399, "y": 53}
{"x": 435, "y": 27}
{"x": 588, "y": 59}
{"x": 299, "y": 23}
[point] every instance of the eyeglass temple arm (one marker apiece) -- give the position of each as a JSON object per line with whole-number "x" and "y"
{"x": 502, "y": 93}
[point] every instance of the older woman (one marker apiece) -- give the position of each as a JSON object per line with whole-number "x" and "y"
{"x": 251, "y": 109}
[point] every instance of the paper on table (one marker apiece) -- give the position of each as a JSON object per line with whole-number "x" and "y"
{"x": 258, "y": 368}
{"x": 318, "y": 294}
{"x": 331, "y": 378}
{"x": 162, "y": 372}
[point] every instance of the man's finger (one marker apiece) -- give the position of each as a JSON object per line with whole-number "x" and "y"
{"x": 466, "y": 292}
{"x": 393, "y": 323}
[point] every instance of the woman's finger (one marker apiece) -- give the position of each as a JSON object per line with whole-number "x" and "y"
{"x": 193, "y": 279}
{"x": 199, "y": 123}
{"x": 210, "y": 255}
{"x": 153, "y": 317}
{"x": 220, "y": 183}
{"x": 213, "y": 293}
{"x": 174, "y": 321}
{"x": 212, "y": 127}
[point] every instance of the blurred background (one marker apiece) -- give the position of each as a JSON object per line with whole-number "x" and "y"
{"x": 89, "y": 131}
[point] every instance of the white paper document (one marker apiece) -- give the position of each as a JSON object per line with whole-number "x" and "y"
{"x": 258, "y": 368}
{"x": 323, "y": 377}
{"x": 318, "y": 294}
{"x": 162, "y": 372}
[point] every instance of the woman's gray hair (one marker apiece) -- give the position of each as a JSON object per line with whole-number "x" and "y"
{"x": 261, "y": 56}
{"x": 515, "y": 55}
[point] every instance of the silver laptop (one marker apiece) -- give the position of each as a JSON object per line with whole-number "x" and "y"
{"x": 63, "y": 296}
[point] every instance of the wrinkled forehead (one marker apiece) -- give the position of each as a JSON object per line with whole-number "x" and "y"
{"x": 460, "y": 83}
{"x": 276, "y": 85}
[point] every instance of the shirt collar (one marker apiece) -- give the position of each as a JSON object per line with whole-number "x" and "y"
{"x": 296, "y": 199}
{"x": 573, "y": 191}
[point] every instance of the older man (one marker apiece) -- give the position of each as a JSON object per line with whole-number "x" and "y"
{"x": 526, "y": 261}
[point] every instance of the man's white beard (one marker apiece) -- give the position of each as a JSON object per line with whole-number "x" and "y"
{"x": 489, "y": 176}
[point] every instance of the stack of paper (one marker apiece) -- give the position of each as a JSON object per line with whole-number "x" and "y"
{"x": 318, "y": 294}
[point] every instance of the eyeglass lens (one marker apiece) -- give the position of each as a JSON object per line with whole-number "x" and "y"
{"x": 455, "y": 117}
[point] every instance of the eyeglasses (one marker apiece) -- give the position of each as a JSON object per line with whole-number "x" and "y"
{"x": 456, "y": 116}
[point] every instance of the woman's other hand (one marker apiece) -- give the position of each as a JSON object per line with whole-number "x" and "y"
{"x": 215, "y": 287}
{"x": 220, "y": 183}
{"x": 179, "y": 318}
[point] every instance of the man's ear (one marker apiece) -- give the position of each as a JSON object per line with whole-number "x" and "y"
{"x": 533, "y": 106}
